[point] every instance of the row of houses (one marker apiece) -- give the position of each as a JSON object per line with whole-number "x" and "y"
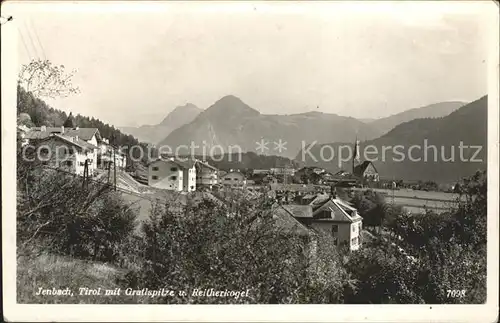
{"x": 72, "y": 148}
{"x": 188, "y": 175}
{"x": 363, "y": 173}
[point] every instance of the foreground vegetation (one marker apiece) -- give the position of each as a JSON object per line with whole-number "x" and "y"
{"x": 74, "y": 234}
{"x": 86, "y": 237}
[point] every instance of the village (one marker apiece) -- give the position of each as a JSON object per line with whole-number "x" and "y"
{"x": 308, "y": 200}
{"x": 292, "y": 158}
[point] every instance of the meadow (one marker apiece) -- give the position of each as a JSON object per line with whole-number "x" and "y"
{"x": 416, "y": 201}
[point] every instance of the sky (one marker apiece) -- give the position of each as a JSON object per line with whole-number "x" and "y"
{"x": 135, "y": 63}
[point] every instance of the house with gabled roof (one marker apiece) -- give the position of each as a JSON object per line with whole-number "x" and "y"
{"x": 70, "y": 153}
{"x": 330, "y": 216}
{"x": 366, "y": 172}
{"x": 90, "y": 135}
{"x": 172, "y": 174}
{"x": 206, "y": 174}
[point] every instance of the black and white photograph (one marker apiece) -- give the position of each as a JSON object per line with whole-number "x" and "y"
{"x": 250, "y": 153}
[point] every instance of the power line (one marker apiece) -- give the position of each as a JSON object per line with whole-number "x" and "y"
{"x": 28, "y": 52}
{"x": 31, "y": 41}
{"x": 38, "y": 39}
{"x": 156, "y": 199}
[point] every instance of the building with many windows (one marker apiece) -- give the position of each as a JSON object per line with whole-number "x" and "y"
{"x": 70, "y": 153}
{"x": 206, "y": 175}
{"x": 172, "y": 174}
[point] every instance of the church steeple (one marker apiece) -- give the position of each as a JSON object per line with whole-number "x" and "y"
{"x": 355, "y": 156}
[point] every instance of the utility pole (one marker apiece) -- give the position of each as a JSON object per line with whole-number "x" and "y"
{"x": 393, "y": 186}
{"x": 85, "y": 174}
{"x": 114, "y": 166}
{"x": 109, "y": 168}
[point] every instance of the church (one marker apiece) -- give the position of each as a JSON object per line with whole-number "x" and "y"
{"x": 365, "y": 171}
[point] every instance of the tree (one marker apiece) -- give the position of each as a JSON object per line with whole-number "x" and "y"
{"x": 70, "y": 121}
{"x": 24, "y": 119}
{"x": 57, "y": 212}
{"x": 383, "y": 275}
{"x": 237, "y": 245}
{"x": 44, "y": 79}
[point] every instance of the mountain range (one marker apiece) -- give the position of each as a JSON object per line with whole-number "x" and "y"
{"x": 231, "y": 122}
{"x": 435, "y": 110}
{"x": 178, "y": 117}
{"x": 465, "y": 126}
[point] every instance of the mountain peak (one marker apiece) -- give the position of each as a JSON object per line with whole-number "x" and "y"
{"x": 231, "y": 106}
{"x": 229, "y": 98}
{"x": 181, "y": 115}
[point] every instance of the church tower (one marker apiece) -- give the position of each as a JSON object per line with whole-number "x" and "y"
{"x": 355, "y": 156}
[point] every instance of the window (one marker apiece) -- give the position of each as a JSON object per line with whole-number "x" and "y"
{"x": 353, "y": 228}
{"x": 173, "y": 169}
{"x": 354, "y": 241}
{"x": 227, "y": 179}
{"x": 192, "y": 187}
{"x": 335, "y": 230}
{"x": 335, "y": 241}
{"x": 173, "y": 178}
{"x": 155, "y": 169}
{"x": 44, "y": 151}
{"x": 154, "y": 177}
{"x": 69, "y": 163}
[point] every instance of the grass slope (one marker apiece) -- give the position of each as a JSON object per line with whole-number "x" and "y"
{"x": 51, "y": 271}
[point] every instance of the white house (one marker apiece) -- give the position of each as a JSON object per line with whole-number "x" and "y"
{"x": 108, "y": 154}
{"x": 172, "y": 174}
{"x": 89, "y": 135}
{"x": 206, "y": 175}
{"x": 233, "y": 178}
{"x": 332, "y": 217}
{"x": 68, "y": 153}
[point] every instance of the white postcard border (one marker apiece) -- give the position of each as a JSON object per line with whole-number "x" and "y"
{"x": 241, "y": 313}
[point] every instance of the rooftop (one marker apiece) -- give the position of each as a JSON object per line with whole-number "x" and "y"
{"x": 79, "y": 143}
{"x": 44, "y": 132}
{"x": 184, "y": 164}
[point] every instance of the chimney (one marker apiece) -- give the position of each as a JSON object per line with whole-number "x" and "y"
{"x": 76, "y": 138}
{"x": 62, "y": 129}
{"x": 43, "y": 128}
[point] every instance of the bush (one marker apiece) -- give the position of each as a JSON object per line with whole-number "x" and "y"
{"x": 235, "y": 247}
{"x": 55, "y": 209}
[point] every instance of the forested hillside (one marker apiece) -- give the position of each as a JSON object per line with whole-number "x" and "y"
{"x": 42, "y": 114}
